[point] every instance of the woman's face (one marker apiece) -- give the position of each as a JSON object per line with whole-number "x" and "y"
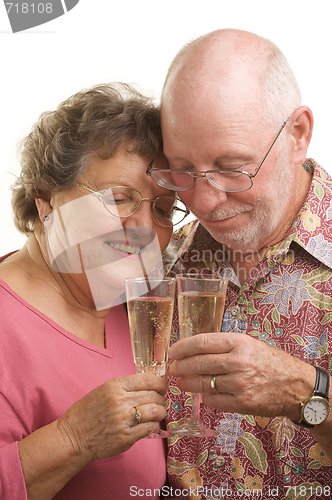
{"x": 92, "y": 245}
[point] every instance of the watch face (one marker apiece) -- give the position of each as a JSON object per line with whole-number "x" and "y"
{"x": 316, "y": 410}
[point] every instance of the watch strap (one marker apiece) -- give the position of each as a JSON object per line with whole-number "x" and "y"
{"x": 322, "y": 387}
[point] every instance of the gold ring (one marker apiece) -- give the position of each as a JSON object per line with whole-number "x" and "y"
{"x": 213, "y": 383}
{"x": 138, "y": 415}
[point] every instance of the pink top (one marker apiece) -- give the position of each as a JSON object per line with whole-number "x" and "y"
{"x": 44, "y": 369}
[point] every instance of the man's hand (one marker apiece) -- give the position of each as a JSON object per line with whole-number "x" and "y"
{"x": 252, "y": 377}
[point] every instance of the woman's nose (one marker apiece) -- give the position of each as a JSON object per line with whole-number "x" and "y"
{"x": 142, "y": 217}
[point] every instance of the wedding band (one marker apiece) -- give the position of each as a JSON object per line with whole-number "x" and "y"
{"x": 213, "y": 383}
{"x": 138, "y": 415}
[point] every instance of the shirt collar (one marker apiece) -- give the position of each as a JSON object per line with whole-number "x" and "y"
{"x": 312, "y": 228}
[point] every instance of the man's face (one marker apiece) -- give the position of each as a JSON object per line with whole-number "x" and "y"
{"x": 201, "y": 138}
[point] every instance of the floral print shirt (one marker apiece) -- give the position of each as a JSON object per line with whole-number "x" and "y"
{"x": 287, "y": 303}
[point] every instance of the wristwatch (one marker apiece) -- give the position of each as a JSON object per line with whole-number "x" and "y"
{"x": 316, "y": 409}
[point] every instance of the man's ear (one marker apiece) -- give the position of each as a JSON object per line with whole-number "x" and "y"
{"x": 302, "y": 123}
{"x": 44, "y": 208}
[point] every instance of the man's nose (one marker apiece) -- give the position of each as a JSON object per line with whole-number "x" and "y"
{"x": 204, "y": 197}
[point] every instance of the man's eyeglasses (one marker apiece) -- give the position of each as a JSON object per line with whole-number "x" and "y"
{"x": 230, "y": 181}
{"x": 122, "y": 202}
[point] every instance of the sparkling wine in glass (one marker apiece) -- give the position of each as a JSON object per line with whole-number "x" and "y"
{"x": 150, "y": 311}
{"x": 201, "y": 303}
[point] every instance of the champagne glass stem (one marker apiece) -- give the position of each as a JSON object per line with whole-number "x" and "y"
{"x": 150, "y": 310}
{"x": 196, "y": 403}
{"x": 201, "y": 302}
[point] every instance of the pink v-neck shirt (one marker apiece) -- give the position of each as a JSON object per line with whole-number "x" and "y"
{"x": 44, "y": 369}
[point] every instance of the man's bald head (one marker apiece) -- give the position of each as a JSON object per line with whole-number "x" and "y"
{"x": 235, "y": 66}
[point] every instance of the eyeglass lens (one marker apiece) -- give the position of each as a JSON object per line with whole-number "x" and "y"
{"x": 183, "y": 181}
{"x": 121, "y": 201}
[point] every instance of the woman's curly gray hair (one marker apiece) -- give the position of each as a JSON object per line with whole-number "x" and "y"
{"x": 57, "y": 151}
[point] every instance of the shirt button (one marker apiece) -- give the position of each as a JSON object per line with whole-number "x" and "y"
{"x": 219, "y": 461}
{"x": 235, "y": 311}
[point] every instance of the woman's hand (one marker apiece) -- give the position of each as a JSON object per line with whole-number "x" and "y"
{"x": 103, "y": 423}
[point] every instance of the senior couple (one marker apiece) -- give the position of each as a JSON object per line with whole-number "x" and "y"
{"x": 96, "y": 173}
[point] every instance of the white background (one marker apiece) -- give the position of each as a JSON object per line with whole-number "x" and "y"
{"x": 134, "y": 41}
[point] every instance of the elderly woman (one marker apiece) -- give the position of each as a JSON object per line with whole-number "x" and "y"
{"x": 69, "y": 393}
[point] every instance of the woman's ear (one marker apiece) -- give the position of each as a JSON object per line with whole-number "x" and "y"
{"x": 302, "y": 122}
{"x": 44, "y": 208}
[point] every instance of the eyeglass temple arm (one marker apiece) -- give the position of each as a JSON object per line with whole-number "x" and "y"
{"x": 273, "y": 143}
{"x": 85, "y": 187}
{"x": 148, "y": 170}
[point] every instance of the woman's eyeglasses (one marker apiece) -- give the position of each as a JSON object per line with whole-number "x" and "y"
{"x": 122, "y": 201}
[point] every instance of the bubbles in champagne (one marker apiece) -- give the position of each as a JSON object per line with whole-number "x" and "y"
{"x": 150, "y": 320}
{"x": 200, "y": 312}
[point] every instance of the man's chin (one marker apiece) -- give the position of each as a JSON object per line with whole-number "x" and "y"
{"x": 236, "y": 240}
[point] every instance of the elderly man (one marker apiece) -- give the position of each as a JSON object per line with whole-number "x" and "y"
{"x": 236, "y": 136}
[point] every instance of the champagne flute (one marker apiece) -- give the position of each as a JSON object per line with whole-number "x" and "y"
{"x": 150, "y": 311}
{"x": 201, "y": 303}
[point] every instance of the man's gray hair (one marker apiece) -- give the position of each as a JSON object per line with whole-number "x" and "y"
{"x": 281, "y": 90}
